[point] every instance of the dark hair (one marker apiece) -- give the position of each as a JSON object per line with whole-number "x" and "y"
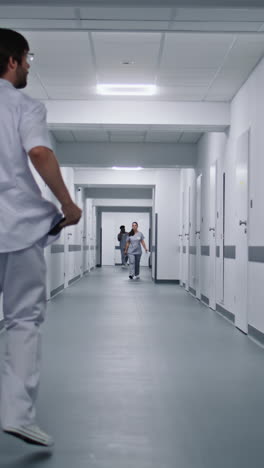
{"x": 122, "y": 227}
{"x": 132, "y": 233}
{"x": 12, "y": 44}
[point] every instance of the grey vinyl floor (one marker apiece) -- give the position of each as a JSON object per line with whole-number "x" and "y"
{"x": 138, "y": 375}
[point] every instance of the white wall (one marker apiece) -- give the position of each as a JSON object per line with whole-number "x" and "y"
{"x": 205, "y": 114}
{"x": 65, "y": 265}
{"x": 91, "y": 234}
{"x": 123, "y": 154}
{"x": 167, "y": 205}
{"x": 122, "y": 202}
{"x": 247, "y": 111}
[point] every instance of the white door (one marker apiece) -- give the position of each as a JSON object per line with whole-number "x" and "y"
{"x": 1, "y": 307}
{"x": 79, "y": 237}
{"x": 212, "y": 237}
{"x": 192, "y": 257}
{"x": 181, "y": 235}
{"x": 241, "y": 220}
{"x": 220, "y": 228}
{"x": 187, "y": 239}
{"x": 84, "y": 239}
{"x": 198, "y": 237}
{"x": 67, "y": 270}
{"x": 89, "y": 218}
{"x": 108, "y": 239}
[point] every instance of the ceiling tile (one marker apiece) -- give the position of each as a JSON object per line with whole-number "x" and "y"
{"x": 194, "y": 50}
{"x": 163, "y": 137}
{"x": 217, "y": 26}
{"x": 117, "y": 128}
{"x": 33, "y": 12}
{"x": 122, "y": 25}
{"x": 90, "y": 135}
{"x": 35, "y": 88}
{"x": 63, "y": 135}
{"x": 220, "y": 14}
{"x": 127, "y": 137}
{"x": 68, "y": 92}
{"x": 189, "y": 137}
{"x": 187, "y": 77}
{"x": 56, "y": 68}
{"x": 112, "y": 49}
{"x": 115, "y": 13}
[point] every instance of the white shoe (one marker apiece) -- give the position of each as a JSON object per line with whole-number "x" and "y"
{"x": 137, "y": 277}
{"x": 30, "y": 434}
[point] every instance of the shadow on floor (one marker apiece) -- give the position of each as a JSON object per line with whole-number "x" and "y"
{"x": 32, "y": 459}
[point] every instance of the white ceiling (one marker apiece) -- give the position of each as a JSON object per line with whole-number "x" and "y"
{"x": 129, "y": 134}
{"x": 192, "y": 54}
{"x": 186, "y": 67}
{"x": 135, "y": 15}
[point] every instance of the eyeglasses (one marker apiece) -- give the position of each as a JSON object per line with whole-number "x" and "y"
{"x": 30, "y": 57}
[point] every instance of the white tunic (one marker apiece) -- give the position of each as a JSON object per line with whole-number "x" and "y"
{"x": 25, "y": 216}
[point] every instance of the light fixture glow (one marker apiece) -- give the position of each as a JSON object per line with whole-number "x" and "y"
{"x": 126, "y": 89}
{"x": 120, "y": 168}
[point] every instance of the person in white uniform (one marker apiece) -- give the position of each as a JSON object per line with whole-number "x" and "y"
{"x": 134, "y": 250}
{"x": 26, "y": 219}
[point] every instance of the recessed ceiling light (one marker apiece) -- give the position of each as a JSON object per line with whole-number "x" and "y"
{"x": 126, "y": 89}
{"x": 120, "y": 168}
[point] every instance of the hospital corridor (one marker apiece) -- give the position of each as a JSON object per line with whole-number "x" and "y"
{"x": 131, "y": 234}
{"x": 129, "y": 381}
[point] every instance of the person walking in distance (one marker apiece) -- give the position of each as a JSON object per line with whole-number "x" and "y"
{"x": 122, "y": 237}
{"x": 26, "y": 220}
{"x": 134, "y": 250}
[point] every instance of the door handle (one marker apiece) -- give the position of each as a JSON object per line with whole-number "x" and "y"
{"x": 197, "y": 232}
{"x": 242, "y": 222}
{"x": 187, "y": 234}
{"x": 180, "y": 235}
{"x": 211, "y": 229}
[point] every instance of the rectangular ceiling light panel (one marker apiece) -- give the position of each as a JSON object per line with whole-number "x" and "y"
{"x": 126, "y": 89}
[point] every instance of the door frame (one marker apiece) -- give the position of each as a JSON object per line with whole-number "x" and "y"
{"x": 199, "y": 179}
{"x": 241, "y": 322}
{"x": 212, "y": 235}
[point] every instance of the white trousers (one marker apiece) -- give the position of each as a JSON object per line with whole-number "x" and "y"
{"x": 23, "y": 283}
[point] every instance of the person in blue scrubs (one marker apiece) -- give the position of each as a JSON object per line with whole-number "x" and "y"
{"x": 134, "y": 250}
{"x": 122, "y": 237}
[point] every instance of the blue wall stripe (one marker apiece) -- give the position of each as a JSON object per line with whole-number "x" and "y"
{"x": 74, "y": 279}
{"x": 205, "y": 250}
{"x": 57, "y": 290}
{"x": 256, "y": 254}
{"x": 75, "y": 247}
{"x": 230, "y": 251}
{"x": 57, "y": 248}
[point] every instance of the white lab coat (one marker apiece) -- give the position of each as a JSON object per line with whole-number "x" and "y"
{"x": 25, "y": 219}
